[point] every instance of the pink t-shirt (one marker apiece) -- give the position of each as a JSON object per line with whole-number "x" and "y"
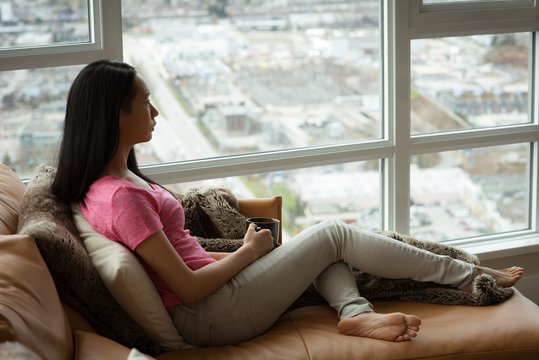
{"x": 128, "y": 214}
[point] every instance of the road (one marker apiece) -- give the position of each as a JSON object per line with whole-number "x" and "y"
{"x": 176, "y": 136}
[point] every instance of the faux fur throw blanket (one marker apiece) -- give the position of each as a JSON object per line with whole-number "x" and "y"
{"x": 211, "y": 214}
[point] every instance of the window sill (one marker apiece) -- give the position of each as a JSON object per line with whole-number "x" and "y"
{"x": 506, "y": 248}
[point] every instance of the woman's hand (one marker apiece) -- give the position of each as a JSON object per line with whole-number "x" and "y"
{"x": 258, "y": 242}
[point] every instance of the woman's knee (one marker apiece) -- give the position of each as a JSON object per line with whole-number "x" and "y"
{"x": 332, "y": 223}
{"x": 323, "y": 231}
{"x": 340, "y": 226}
{"x": 344, "y": 230}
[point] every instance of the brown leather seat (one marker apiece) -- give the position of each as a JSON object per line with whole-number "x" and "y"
{"x": 506, "y": 331}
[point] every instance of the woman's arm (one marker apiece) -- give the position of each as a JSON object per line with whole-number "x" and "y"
{"x": 218, "y": 255}
{"x": 192, "y": 286}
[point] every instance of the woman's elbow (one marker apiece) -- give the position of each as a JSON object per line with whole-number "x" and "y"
{"x": 190, "y": 300}
{"x": 191, "y": 297}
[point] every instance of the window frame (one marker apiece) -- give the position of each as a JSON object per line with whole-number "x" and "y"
{"x": 457, "y": 21}
{"x": 397, "y": 145}
{"x": 476, "y": 5}
{"x": 105, "y": 32}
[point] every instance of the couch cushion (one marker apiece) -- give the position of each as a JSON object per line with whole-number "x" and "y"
{"x": 504, "y": 331}
{"x": 11, "y": 193}
{"x": 129, "y": 283}
{"x": 30, "y": 310}
{"x": 281, "y": 342}
{"x": 509, "y": 330}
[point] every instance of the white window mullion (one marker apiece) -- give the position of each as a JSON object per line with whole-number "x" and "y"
{"x": 534, "y": 113}
{"x": 256, "y": 163}
{"x": 112, "y": 29}
{"x": 397, "y": 202}
{"x": 387, "y": 166}
{"x": 474, "y": 138}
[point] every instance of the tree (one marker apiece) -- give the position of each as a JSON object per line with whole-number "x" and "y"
{"x": 503, "y": 40}
{"x": 218, "y": 8}
{"x": 7, "y": 160}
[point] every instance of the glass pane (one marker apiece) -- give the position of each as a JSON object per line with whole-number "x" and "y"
{"x": 467, "y": 193}
{"x": 231, "y": 79}
{"x": 469, "y": 82}
{"x": 350, "y": 192}
{"x": 32, "y": 109}
{"x": 43, "y": 22}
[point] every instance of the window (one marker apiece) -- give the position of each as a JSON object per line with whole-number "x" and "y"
{"x": 40, "y": 23}
{"x": 470, "y": 192}
{"x": 469, "y": 82}
{"x": 312, "y": 194}
{"x": 409, "y": 115}
{"x": 33, "y": 108}
{"x": 43, "y": 45}
{"x": 250, "y": 82}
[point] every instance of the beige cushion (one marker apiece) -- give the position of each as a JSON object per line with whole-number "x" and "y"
{"x": 11, "y": 193}
{"x": 15, "y": 350}
{"x": 129, "y": 284}
{"x": 30, "y": 310}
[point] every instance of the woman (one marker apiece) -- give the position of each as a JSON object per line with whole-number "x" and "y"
{"x": 215, "y": 298}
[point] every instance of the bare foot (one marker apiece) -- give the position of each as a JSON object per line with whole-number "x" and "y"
{"x": 504, "y": 277}
{"x": 390, "y": 327}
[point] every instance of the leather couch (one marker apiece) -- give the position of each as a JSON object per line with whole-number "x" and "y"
{"x": 32, "y": 314}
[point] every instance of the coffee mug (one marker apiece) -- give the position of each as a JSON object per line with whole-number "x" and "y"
{"x": 266, "y": 223}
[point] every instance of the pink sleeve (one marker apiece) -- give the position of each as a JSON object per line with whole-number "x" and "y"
{"x": 135, "y": 216}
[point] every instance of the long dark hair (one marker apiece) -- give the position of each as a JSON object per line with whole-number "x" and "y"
{"x": 91, "y": 127}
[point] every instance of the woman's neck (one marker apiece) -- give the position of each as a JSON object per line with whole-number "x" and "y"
{"x": 117, "y": 166}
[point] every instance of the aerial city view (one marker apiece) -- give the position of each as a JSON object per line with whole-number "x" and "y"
{"x": 243, "y": 76}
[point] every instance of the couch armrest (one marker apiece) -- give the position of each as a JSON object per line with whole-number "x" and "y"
{"x": 11, "y": 194}
{"x": 267, "y": 207}
{"x": 30, "y": 310}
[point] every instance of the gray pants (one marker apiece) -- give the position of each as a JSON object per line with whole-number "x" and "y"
{"x": 253, "y": 300}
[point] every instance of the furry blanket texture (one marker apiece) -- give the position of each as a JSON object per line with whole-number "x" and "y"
{"x": 12, "y": 350}
{"x": 211, "y": 215}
